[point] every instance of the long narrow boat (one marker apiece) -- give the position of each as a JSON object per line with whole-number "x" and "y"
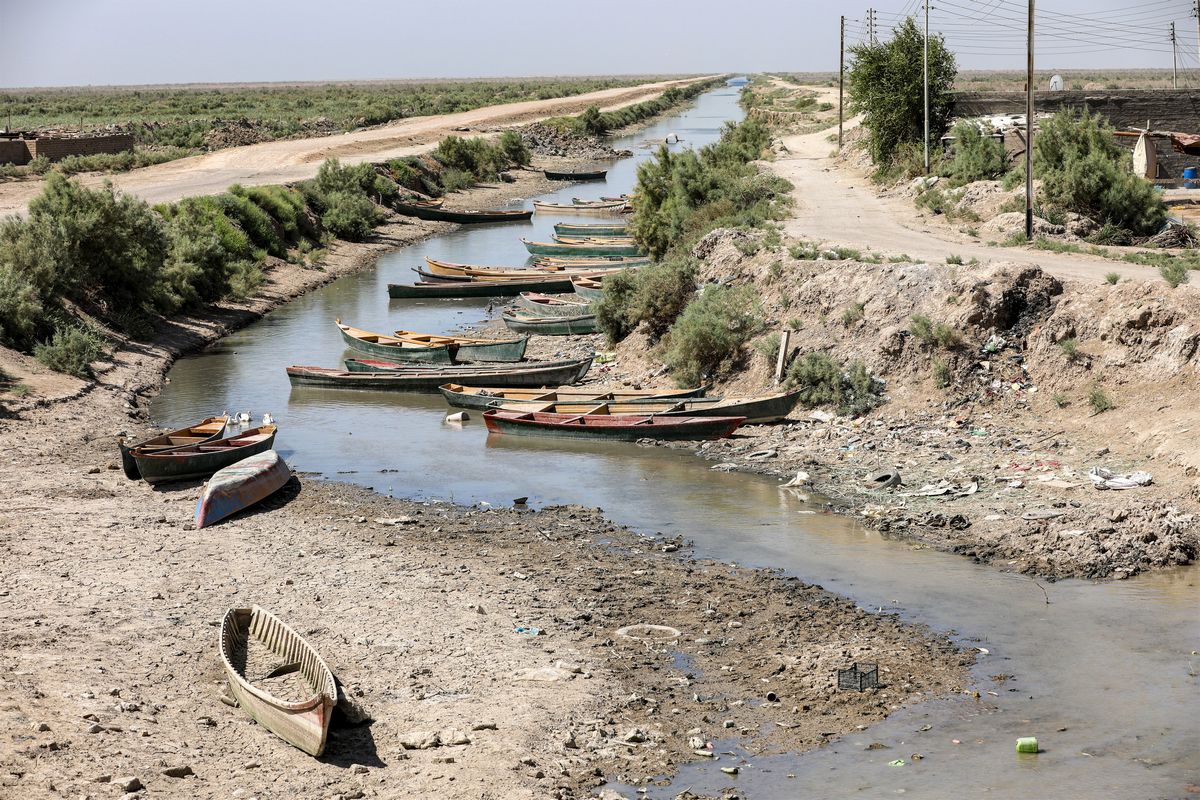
{"x": 477, "y": 288}
{"x": 598, "y": 229}
{"x": 415, "y": 381}
{"x": 559, "y": 325}
{"x": 304, "y": 721}
{"x": 755, "y": 410}
{"x": 429, "y": 277}
{"x": 592, "y": 175}
{"x": 600, "y": 210}
{"x": 206, "y": 431}
{"x": 553, "y": 305}
{"x": 440, "y": 268}
{"x": 241, "y": 485}
{"x": 461, "y": 216}
{"x": 585, "y": 249}
{"x": 589, "y": 289}
{"x": 581, "y": 261}
{"x": 201, "y": 460}
{"x": 619, "y": 429}
{"x": 482, "y": 397}
{"x": 457, "y": 371}
{"x": 432, "y": 348}
{"x": 607, "y": 241}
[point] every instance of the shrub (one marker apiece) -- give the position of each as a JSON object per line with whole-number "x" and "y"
{"x": 822, "y": 382}
{"x": 243, "y": 279}
{"x": 284, "y": 205}
{"x": 203, "y": 245}
{"x": 614, "y": 309}
{"x": 454, "y": 180}
{"x": 1070, "y": 347}
{"x": 475, "y": 156}
{"x": 350, "y": 215}
{"x": 514, "y": 148}
{"x": 664, "y": 291}
{"x": 1112, "y": 278}
{"x": 256, "y": 222}
{"x": 1099, "y": 400}
{"x": 1060, "y": 400}
{"x": 71, "y": 350}
{"x": 1174, "y": 273}
{"x": 711, "y": 332}
{"x": 942, "y": 376}
{"x": 921, "y": 327}
{"x": 21, "y": 311}
{"x": 954, "y": 260}
{"x": 976, "y": 157}
{"x": 39, "y": 165}
{"x": 768, "y": 347}
{"x": 853, "y": 314}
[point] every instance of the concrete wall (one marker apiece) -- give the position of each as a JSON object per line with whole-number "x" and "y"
{"x": 1166, "y": 109}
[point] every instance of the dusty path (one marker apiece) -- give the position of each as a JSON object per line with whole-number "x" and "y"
{"x": 298, "y": 159}
{"x": 836, "y": 203}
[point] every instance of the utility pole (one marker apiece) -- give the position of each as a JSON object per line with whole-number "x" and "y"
{"x": 1029, "y": 128}
{"x": 927, "y": 86}
{"x": 1174, "y": 60}
{"x": 871, "y": 25}
{"x": 842, "y": 78}
{"x": 1196, "y": 14}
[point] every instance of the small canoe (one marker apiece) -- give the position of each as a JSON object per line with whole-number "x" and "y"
{"x": 568, "y": 229}
{"x": 461, "y": 216}
{"x": 201, "y": 460}
{"x": 601, "y": 210}
{"x": 553, "y": 305}
{"x": 302, "y": 721}
{"x": 607, "y": 241}
{"x": 482, "y": 397}
{"x": 428, "y": 382}
{"x": 755, "y": 410}
{"x": 592, "y": 175}
{"x": 205, "y": 431}
{"x": 584, "y": 249}
{"x": 559, "y": 325}
{"x": 452, "y": 269}
{"x": 610, "y": 428}
{"x": 241, "y": 485}
{"x": 463, "y": 371}
{"x": 407, "y": 346}
{"x": 589, "y": 289}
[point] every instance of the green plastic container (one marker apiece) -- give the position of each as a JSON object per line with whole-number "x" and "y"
{"x": 1027, "y": 744}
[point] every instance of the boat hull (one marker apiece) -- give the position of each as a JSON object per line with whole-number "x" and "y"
{"x": 201, "y": 461}
{"x": 241, "y": 485}
{"x": 428, "y": 382}
{"x": 427, "y": 355}
{"x": 304, "y": 724}
{"x": 756, "y": 410}
{"x": 208, "y": 430}
{"x": 594, "y": 175}
{"x": 439, "y": 214}
{"x": 551, "y": 325}
{"x": 605, "y": 210}
{"x": 542, "y": 305}
{"x": 557, "y": 249}
{"x": 609, "y": 428}
{"x": 474, "y": 288}
{"x": 456, "y": 397}
{"x": 567, "y": 229}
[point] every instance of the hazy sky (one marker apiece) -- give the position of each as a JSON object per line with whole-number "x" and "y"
{"x": 94, "y": 42}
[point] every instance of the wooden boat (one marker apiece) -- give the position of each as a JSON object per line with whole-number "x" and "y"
{"x": 201, "y": 460}
{"x": 432, "y": 348}
{"x": 587, "y": 261}
{"x": 607, "y": 241}
{"x": 589, "y": 289}
{"x": 304, "y": 721}
{"x": 553, "y": 305}
{"x": 585, "y": 249}
{"x": 534, "y": 374}
{"x": 603, "y": 201}
{"x": 439, "y": 213}
{"x": 477, "y": 288}
{"x": 449, "y": 269}
{"x": 241, "y": 485}
{"x": 205, "y": 431}
{"x": 755, "y": 410}
{"x": 625, "y": 198}
{"x": 568, "y": 229}
{"x": 593, "y": 175}
{"x": 463, "y": 371}
{"x": 558, "y": 325}
{"x": 603, "y": 209}
{"x": 612, "y": 428}
{"x": 482, "y": 397}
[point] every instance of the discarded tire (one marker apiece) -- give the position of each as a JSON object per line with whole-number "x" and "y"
{"x": 884, "y": 480}
{"x": 643, "y": 633}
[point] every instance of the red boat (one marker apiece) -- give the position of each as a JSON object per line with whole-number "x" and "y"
{"x": 623, "y": 428}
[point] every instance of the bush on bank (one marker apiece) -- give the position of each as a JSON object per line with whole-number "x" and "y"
{"x": 595, "y": 122}
{"x": 712, "y": 331}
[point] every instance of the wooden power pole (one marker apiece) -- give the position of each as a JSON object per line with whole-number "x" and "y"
{"x": 842, "y": 78}
{"x": 1029, "y": 127}
{"x": 927, "y": 86}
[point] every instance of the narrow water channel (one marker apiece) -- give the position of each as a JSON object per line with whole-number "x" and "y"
{"x": 1104, "y": 675}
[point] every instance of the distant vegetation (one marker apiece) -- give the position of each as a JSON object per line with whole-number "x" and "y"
{"x": 595, "y": 122}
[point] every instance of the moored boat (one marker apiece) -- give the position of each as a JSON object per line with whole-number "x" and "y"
{"x": 201, "y": 460}
{"x": 583, "y": 249}
{"x": 755, "y": 410}
{"x": 463, "y": 371}
{"x": 302, "y": 721}
{"x": 477, "y": 288}
{"x": 408, "y": 346}
{"x": 608, "y": 241}
{"x": 418, "y": 381}
{"x": 587, "y": 175}
{"x": 553, "y": 305}
{"x": 611, "y": 428}
{"x": 449, "y": 269}
{"x": 589, "y": 289}
{"x": 205, "y": 431}
{"x": 601, "y": 209}
{"x": 557, "y": 325}
{"x": 598, "y": 229}
{"x": 462, "y": 216}
{"x": 379, "y": 344}
{"x": 482, "y": 397}
{"x": 241, "y": 485}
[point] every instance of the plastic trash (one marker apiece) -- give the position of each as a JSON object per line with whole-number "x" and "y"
{"x": 1107, "y": 479}
{"x": 899, "y": 762}
{"x": 528, "y": 630}
{"x": 1027, "y": 744}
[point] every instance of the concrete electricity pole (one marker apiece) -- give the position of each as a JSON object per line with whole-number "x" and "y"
{"x": 1174, "y": 60}
{"x": 927, "y": 86}
{"x": 871, "y": 26}
{"x": 842, "y": 78}
{"x": 1029, "y": 128}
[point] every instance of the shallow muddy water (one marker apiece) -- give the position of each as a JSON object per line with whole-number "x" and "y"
{"x": 1103, "y": 675}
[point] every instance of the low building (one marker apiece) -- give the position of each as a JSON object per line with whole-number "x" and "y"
{"x": 21, "y": 147}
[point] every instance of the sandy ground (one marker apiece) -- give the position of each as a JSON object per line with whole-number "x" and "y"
{"x": 836, "y": 203}
{"x": 110, "y": 602}
{"x": 298, "y": 159}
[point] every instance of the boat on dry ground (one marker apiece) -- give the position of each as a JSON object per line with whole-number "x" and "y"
{"x": 481, "y": 397}
{"x": 278, "y": 678}
{"x": 241, "y": 485}
{"x": 611, "y": 428}
{"x": 553, "y": 305}
{"x": 205, "y": 431}
{"x": 590, "y": 288}
{"x": 201, "y": 460}
{"x": 552, "y": 325}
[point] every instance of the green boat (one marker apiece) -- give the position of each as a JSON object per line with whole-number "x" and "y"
{"x": 378, "y": 344}
{"x": 429, "y": 348}
{"x": 589, "y": 249}
{"x": 552, "y": 305}
{"x": 411, "y": 380}
{"x": 201, "y": 460}
{"x": 550, "y": 326}
{"x": 483, "y": 397}
{"x": 446, "y": 289}
{"x": 457, "y": 371}
{"x": 570, "y": 229}
{"x": 588, "y": 289}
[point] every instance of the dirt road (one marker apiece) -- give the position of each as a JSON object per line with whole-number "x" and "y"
{"x": 298, "y": 159}
{"x": 837, "y": 204}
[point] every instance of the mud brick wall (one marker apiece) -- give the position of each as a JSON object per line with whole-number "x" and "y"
{"x": 1166, "y": 109}
{"x": 13, "y": 151}
{"x": 55, "y": 149}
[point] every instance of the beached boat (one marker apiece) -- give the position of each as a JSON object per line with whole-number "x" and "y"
{"x": 598, "y": 229}
{"x": 417, "y": 381}
{"x": 612, "y": 428}
{"x": 553, "y": 305}
{"x": 584, "y": 261}
{"x": 462, "y": 216}
{"x": 432, "y": 348}
{"x": 583, "y": 249}
{"x": 302, "y": 720}
{"x": 607, "y": 241}
{"x": 600, "y": 210}
{"x": 477, "y": 288}
{"x": 483, "y": 397}
{"x": 589, "y": 289}
{"x": 201, "y": 460}
{"x": 755, "y": 410}
{"x": 241, "y": 485}
{"x": 558, "y": 325}
{"x": 205, "y": 431}
{"x": 590, "y": 175}
{"x": 450, "y": 269}
{"x": 462, "y": 371}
